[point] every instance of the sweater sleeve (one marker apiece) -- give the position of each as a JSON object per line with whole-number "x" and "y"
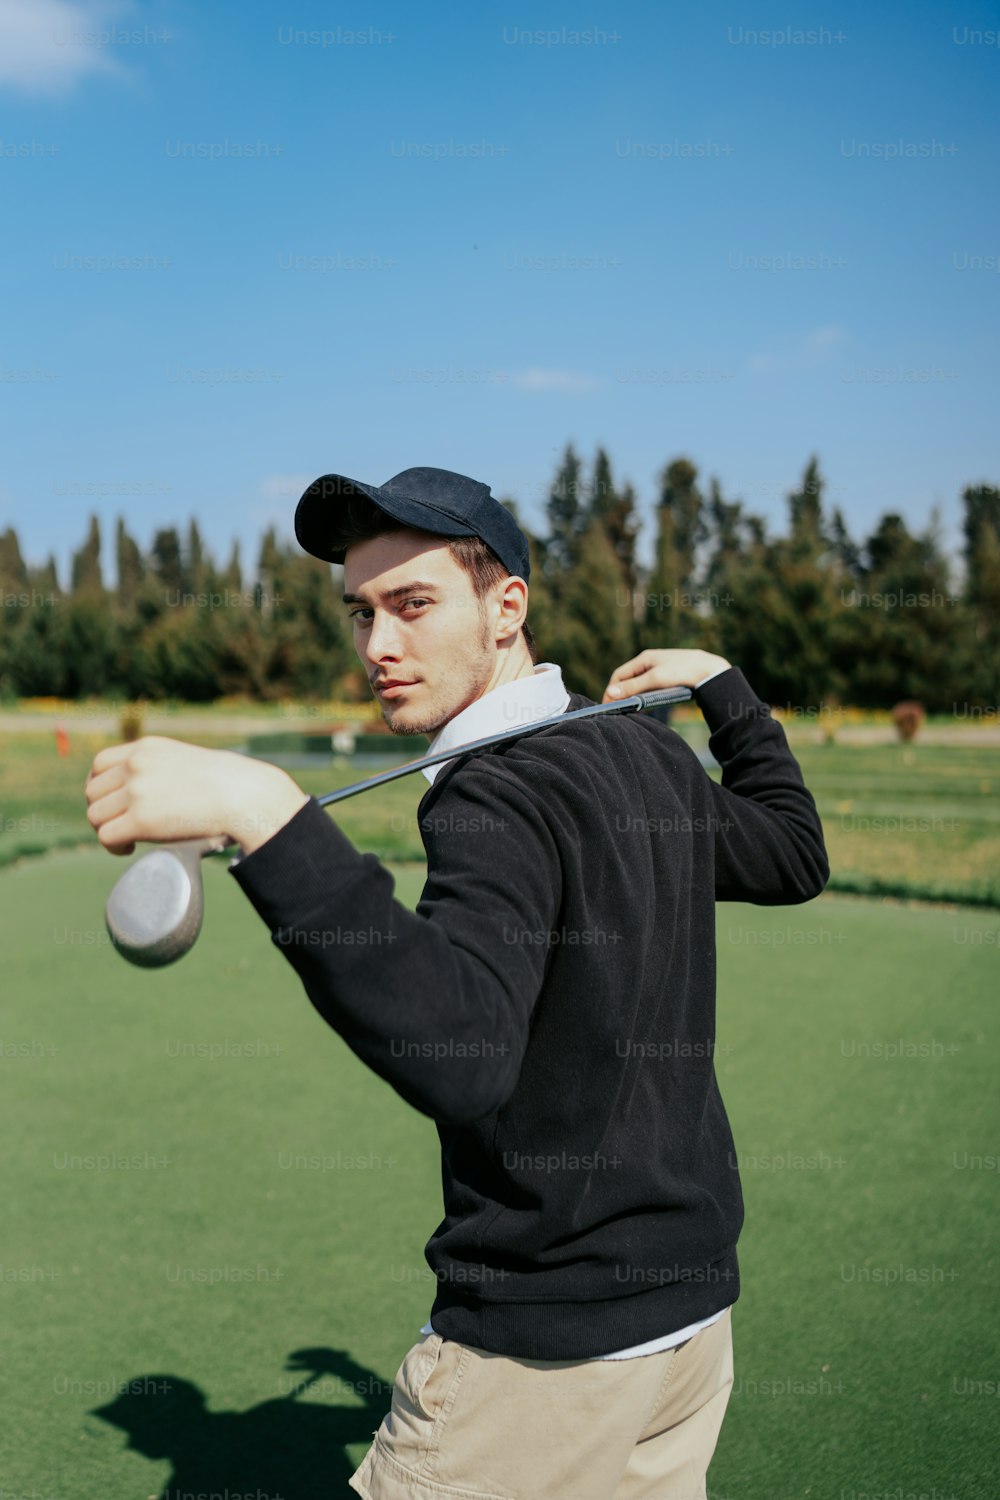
{"x": 438, "y": 1001}
{"x": 769, "y": 846}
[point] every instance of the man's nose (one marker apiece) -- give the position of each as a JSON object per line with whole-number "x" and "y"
{"x": 383, "y": 639}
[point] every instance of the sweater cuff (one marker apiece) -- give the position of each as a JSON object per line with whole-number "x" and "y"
{"x": 716, "y": 673}
{"x": 727, "y": 696}
{"x": 308, "y": 860}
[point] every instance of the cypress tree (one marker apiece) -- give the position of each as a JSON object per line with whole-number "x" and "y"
{"x": 196, "y": 564}
{"x": 616, "y": 510}
{"x": 130, "y": 568}
{"x": 670, "y": 608}
{"x": 566, "y": 516}
{"x": 899, "y": 630}
{"x": 13, "y": 573}
{"x": 591, "y": 635}
{"x": 86, "y": 567}
{"x": 167, "y": 564}
{"x": 805, "y": 513}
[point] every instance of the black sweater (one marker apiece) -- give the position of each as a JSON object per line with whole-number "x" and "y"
{"x": 551, "y": 1005}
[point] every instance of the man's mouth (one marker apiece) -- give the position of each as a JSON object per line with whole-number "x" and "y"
{"x": 392, "y": 686}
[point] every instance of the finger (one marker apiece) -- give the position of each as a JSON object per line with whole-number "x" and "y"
{"x": 103, "y": 809}
{"x": 632, "y": 668}
{"x": 633, "y": 665}
{"x": 112, "y": 755}
{"x": 103, "y": 782}
{"x": 644, "y": 683}
{"x": 107, "y": 817}
{"x": 106, "y": 803}
{"x": 623, "y": 678}
{"x": 118, "y": 835}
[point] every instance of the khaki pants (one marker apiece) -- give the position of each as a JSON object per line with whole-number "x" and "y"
{"x": 472, "y": 1425}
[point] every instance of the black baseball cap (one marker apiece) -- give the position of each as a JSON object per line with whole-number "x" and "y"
{"x": 434, "y": 500}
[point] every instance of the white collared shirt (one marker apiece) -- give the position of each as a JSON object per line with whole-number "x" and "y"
{"x": 512, "y": 703}
{"x": 519, "y": 702}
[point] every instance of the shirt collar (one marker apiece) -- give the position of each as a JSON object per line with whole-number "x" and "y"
{"x": 522, "y": 701}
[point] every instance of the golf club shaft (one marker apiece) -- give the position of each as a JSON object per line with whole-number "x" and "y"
{"x": 627, "y": 705}
{"x": 154, "y": 913}
{"x": 633, "y": 704}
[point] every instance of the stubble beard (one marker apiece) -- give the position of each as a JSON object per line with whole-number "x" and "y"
{"x": 475, "y": 676}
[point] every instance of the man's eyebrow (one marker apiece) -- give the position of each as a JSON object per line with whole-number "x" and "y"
{"x": 404, "y": 588}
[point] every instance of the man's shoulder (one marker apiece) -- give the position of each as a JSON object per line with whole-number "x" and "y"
{"x": 567, "y": 760}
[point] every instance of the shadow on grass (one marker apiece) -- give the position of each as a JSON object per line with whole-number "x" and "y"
{"x": 282, "y": 1449}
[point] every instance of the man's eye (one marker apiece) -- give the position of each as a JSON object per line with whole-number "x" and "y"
{"x": 354, "y": 613}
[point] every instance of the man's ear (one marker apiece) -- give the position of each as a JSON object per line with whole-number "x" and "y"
{"x": 513, "y": 604}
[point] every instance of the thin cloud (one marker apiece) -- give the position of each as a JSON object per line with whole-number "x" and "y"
{"x": 554, "y": 380}
{"x": 810, "y": 350}
{"x": 47, "y": 46}
{"x": 823, "y": 338}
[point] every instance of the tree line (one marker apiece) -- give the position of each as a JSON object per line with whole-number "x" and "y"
{"x": 813, "y": 616}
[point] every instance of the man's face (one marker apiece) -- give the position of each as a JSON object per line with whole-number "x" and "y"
{"x": 416, "y": 620}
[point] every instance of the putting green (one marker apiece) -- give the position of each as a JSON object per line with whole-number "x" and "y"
{"x": 201, "y": 1179}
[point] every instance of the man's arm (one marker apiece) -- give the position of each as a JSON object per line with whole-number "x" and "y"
{"x": 769, "y": 846}
{"x": 437, "y": 1002}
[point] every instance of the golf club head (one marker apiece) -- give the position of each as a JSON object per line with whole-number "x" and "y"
{"x": 155, "y": 911}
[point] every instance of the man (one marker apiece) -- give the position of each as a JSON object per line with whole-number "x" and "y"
{"x": 550, "y": 1004}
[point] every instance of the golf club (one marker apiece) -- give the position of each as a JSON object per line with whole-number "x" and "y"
{"x": 154, "y": 913}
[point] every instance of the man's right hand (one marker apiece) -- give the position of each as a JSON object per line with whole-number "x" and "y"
{"x": 663, "y": 668}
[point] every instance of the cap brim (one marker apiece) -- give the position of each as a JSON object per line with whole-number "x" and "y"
{"x": 316, "y": 510}
{"x": 316, "y": 514}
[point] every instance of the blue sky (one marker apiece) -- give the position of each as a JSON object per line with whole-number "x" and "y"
{"x": 246, "y": 244}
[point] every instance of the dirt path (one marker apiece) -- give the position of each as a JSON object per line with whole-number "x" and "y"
{"x": 237, "y": 726}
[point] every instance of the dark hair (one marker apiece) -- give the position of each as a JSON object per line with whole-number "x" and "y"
{"x": 360, "y": 519}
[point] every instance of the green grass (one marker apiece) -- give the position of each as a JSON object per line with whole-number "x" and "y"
{"x": 43, "y": 807}
{"x": 847, "y": 1382}
{"x": 921, "y": 821}
{"x": 862, "y": 1040}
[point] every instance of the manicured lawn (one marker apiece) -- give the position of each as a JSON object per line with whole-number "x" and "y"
{"x": 919, "y": 819}
{"x": 42, "y": 802}
{"x": 201, "y": 1179}
{"x": 922, "y": 820}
